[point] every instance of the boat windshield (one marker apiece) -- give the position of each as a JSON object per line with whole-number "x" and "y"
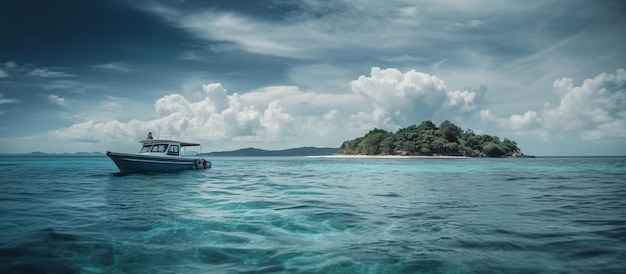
{"x": 159, "y": 148}
{"x": 145, "y": 148}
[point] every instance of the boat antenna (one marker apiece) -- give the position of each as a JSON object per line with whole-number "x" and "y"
{"x": 159, "y": 132}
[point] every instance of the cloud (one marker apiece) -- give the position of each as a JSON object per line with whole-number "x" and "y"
{"x": 191, "y": 56}
{"x": 47, "y": 73}
{"x": 286, "y": 116}
{"x": 12, "y": 69}
{"x": 594, "y": 110}
{"x": 334, "y": 77}
{"x": 468, "y": 25}
{"x": 597, "y": 107}
{"x": 7, "y": 100}
{"x": 102, "y": 132}
{"x": 309, "y": 29}
{"x": 109, "y": 108}
{"x": 57, "y": 100}
{"x": 113, "y": 67}
{"x": 250, "y": 35}
{"x": 8, "y": 66}
{"x": 68, "y": 85}
{"x": 254, "y": 116}
{"x": 271, "y": 115}
{"x": 464, "y": 99}
{"x": 400, "y": 99}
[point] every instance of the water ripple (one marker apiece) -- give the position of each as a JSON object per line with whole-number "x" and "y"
{"x": 312, "y": 215}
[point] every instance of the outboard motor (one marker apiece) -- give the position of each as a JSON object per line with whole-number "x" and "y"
{"x": 206, "y": 164}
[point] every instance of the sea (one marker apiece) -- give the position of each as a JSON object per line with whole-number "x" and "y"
{"x": 315, "y": 215}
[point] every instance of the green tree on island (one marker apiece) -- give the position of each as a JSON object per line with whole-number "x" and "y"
{"x": 428, "y": 139}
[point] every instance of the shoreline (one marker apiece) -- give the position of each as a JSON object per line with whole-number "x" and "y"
{"x": 388, "y": 157}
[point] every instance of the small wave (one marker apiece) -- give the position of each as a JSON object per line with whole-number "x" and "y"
{"x": 582, "y": 248}
{"x": 237, "y": 256}
{"x": 390, "y": 195}
{"x": 522, "y": 178}
{"x": 490, "y": 245}
{"x": 293, "y": 207}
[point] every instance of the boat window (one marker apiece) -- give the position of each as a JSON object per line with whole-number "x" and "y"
{"x": 159, "y": 148}
{"x": 173, "y": 150}
{"x": 145, "y": 149}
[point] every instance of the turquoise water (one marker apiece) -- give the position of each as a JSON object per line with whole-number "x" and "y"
{"x": 315, "y": 215}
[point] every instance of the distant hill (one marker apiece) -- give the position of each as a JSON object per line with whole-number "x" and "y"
{"x": 302, "y": 151}
{"x": 40, "y": 154}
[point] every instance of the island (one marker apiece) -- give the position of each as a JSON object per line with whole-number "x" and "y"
{"x": 301, "y": 151}
{"x": 429, "y": 140}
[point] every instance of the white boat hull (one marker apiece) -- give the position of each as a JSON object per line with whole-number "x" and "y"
{"x": 135, "y": 163}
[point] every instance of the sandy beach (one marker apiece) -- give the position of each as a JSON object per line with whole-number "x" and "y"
{"x": 390, "y": 157}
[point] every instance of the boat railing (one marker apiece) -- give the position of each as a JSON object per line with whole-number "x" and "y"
{"x": 169, "y": 138}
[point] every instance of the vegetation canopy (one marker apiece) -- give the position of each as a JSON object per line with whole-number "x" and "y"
{"x": 428, "y": 139}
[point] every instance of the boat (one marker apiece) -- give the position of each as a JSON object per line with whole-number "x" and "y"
{"x": 161, "y": 155}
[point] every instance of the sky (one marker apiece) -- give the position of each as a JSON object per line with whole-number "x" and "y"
{"x": 94, "y": 76}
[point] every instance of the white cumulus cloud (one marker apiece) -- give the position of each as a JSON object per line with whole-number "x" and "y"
{"x": 286, "y": 116}
{"x": 596, "y": 109}
{"x": 400, "y": 99}
{"x": 270, "y": 115}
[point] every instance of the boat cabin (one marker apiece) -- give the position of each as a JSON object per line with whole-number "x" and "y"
{"x": 169, "y": 148}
